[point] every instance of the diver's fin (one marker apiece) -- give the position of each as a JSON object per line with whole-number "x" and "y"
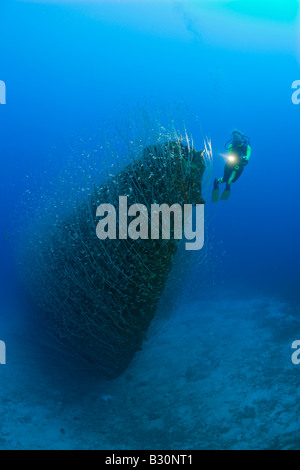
{"x": 216, "y": 193}
{"x": 226, "y": 193}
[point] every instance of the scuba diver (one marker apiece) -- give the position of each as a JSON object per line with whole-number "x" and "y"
{"x": 239, "y": 151}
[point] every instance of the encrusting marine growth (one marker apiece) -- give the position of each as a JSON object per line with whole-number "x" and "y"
{"x": 98, "y": 297}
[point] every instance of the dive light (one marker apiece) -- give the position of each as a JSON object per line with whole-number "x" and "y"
{"x": 232, "y": 158}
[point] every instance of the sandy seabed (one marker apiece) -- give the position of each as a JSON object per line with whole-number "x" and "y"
{"x": 218, "y": 375}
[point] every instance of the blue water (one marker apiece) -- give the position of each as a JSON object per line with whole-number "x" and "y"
{"x": 71, "y": 68}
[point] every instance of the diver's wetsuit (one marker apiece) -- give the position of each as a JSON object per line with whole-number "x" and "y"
{"x": 239, "y": 152}
{"x": 243, "y": 150}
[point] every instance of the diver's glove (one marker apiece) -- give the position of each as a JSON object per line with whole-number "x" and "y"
{"x": 244, "y": 161}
